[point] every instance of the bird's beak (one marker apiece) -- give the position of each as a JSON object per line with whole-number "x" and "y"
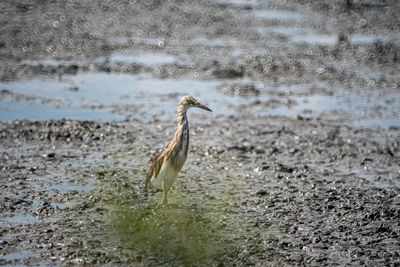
{"x": 198, "y": 105}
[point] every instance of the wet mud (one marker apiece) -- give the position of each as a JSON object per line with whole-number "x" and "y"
{"x": 298, "y": 164}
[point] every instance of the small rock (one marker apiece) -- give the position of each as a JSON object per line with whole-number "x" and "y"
{"x": 259, "y": 151}
{"x": 262, "y": 192}
{"x": 51, "y": 155}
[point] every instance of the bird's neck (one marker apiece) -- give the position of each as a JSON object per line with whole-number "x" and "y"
{"x": 181, "y": 115}
{"x": 181, "y": 139}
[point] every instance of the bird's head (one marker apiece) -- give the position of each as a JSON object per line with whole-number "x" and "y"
{"x": 189, "y": 101}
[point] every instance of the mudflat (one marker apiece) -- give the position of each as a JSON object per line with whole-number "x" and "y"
{"x": 298, "y": 164}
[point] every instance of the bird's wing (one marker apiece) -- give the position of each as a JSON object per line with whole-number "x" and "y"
{"x": 156, "y": 165}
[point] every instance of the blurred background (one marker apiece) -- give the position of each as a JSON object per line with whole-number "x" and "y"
{"x": 116, "y": 60}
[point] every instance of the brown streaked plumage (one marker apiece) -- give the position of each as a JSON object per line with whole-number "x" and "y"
{"x": 167, "y": 164}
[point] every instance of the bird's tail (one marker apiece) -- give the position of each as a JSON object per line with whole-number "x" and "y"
{"x": 147, "y": 181}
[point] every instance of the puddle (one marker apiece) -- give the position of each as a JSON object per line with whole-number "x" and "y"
{"x": 352, "y": 104}
{"x": 19, "y": 110}
{"x": 189, "y": 237}
{"x": 332, "y": 39}
{"x": 20, "y": 219}
{"x": 66, "y": 187}
{"x": 383, "y": 123}
{"x": 299, "y": 35}
{"x": 93, "y": 160}
{"x": 122, "y": 40}
{"x": 366, "y": 39}
{"x": 148, "y": 59}
{"x": 279, "y": 15}
{"x": 362, "y": 110}
{"x": 143, "y": 97}
{"x": 192, "y": 234}
{"x": 283, "y": 30}
{"x": 308, "y": 104}
{"x": 373, "y": 174}
{"x": 19, "y": 256}
{"x": 214, "y": 42}
{"x": 48, "y": 62}
{"x": 252, "y": 3}
{"x": 113, "y": 89}
{"x": 312, "y": 38}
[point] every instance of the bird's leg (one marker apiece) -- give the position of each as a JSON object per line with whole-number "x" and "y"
{"x": 165, "y": 192}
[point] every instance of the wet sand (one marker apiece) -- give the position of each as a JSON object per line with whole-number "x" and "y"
{"x": 299, "y": 163}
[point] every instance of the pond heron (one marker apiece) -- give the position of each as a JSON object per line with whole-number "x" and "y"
{"x": 167, "y": 164}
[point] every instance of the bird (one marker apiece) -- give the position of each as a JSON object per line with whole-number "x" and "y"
{"x": 167, "y": 164}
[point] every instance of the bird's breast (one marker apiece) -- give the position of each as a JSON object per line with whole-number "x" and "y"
{"x": 167, "y": 175}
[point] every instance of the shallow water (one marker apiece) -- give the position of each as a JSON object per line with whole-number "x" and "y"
{"x": 143, "y": 97}
{"x": 108, "y": 89}
{"x": 123, "y": 40}
{"x": 313, "y": 38}
{"x": 367, "y": 39}
{"x": 170, "y": 235}
{"x": 190, "y": 231}
{"x": 148, "y": 59}
{"x": 279, "y": 15}
{"x": 368, "y": 109}
{"x": 301, "y": 35}
{"x": 18, "y": 256}
{"x": 34, "y": 111}
{"x": 20, "y": 219}
{"x": 239, "y": 2}
{"x": 48, "y": 62}
{"x": 203, "y": 41}
{"x": 384, "y": 123}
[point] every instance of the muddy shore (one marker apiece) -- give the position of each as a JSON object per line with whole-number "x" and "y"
{"x": 298, "y": 164}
